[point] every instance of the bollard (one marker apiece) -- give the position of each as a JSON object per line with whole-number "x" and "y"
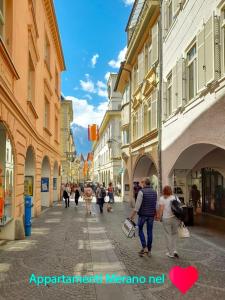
{"x": 28, "y": 206}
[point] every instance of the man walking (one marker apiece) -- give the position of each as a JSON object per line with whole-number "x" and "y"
{"x": 100, "y": 195}
{"x": 145, "y": 207}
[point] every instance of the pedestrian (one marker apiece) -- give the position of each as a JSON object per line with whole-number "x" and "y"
{"x": 100, "y": 195}
{"x": 111, "y": 193}
{"x": 145, "y": 207}
{"x": 170, "y": 222}
{"x": 88, "y": 198}
{"x": 137, "y": 188}
{"x": 195, "y": 197}
{"x": 66, "y": 195}
{"x": 77, "y": 194}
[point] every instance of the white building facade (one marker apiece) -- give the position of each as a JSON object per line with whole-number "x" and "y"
{"x": 194, "y": 99}
{"x": 107, "y": 153}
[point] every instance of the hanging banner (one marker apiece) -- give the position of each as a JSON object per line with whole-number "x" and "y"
{"x": 93, "y": 132}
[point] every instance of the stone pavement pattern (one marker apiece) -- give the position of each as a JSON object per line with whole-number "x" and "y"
{"x": 66, "y": 241}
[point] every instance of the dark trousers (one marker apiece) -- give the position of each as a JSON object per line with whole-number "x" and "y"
{"x": 76, "y": 200}
{"x": 149, "y": 222}
{"x": 67, "y": 202}
{"x": 101, "y": 204}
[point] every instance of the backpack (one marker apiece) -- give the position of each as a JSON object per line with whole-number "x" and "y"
{"x": 102, "y": 193}
{"x": 177, "y": 209}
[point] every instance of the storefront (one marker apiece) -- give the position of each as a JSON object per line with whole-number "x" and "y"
{"x": 213, "y": 192}
{"x": 6, "y": 176}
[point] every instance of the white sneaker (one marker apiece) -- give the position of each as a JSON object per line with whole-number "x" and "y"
{"x": 169, "y": 255}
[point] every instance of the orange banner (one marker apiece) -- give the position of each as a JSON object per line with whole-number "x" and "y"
{"x": 93, "y": 132}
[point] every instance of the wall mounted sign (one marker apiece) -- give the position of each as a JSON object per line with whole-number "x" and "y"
{"x": 29, "y": 186}
{"x": 44, "y": 184}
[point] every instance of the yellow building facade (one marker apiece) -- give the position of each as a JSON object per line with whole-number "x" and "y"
{"x": 31, "y": 60}
{"x": 138, "y": 81}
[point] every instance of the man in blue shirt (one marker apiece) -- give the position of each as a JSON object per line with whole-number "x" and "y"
{"x": 145, "y": 207}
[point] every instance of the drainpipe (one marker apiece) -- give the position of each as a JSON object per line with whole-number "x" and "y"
{"x": 159, "y": 107}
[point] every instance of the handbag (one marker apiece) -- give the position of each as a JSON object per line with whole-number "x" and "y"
{"x": 183, "y": 232}
{"x": 129, "y": 228}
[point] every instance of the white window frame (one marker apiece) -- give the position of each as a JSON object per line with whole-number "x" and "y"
{"x": 222, "y": 15}
{"x": 193, "y": 61}
{"x": 170, "y": 4}
{"x": 169, "y": 93}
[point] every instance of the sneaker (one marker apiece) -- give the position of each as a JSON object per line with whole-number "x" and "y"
{"x": 169, "y": 255}
{"x": 176, "y": 254}
{"x": 142, "y": 253}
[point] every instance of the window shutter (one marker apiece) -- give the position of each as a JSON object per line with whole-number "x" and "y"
{"x": 140, "y": 67}
{"x": 164, "y": 100}
{"x": 200, "y": 60}
{"x": 176, "y": 7}
{"x": 217, "y": 45}
{"x": 154, "y": 110}
{"x": 174, "y": 88}
{"x": 181, "y": 82}
{"x": 165, "y": 18}
{"x": 155, "y": 43}
{"x": 209, "y": 51}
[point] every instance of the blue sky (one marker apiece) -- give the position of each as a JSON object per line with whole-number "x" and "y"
{"x": 93, "y": 39}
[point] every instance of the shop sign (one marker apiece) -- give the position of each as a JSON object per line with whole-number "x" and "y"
{"x": 28, "y": 186}
{"x": 44, "y": 184}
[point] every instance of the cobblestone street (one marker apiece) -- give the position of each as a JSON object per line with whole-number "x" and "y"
{"x": 66, "y": 241}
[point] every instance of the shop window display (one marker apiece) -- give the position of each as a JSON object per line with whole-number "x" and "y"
{"x": 6, "y": 176}
{"x": 213, "y": 192}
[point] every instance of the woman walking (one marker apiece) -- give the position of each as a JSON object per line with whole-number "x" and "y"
{"x": 170, "y": 222}
{"x": 66, "y": 195}
{"x": 111, "y": 193}
{"x": 88, "y": 198}
{"x": 77, "y": 194}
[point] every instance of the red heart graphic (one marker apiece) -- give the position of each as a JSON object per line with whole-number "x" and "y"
{"x": 183, "y": 278}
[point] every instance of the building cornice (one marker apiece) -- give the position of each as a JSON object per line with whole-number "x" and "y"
{"x": 51, "y": 16}
{"x": 146, "y": 138}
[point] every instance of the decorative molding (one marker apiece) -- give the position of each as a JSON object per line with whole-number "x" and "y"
{"x": 32, "y": 44}
{"x": 51, "y": 16}
{"x": 146, "y": 138}
{"x": 32, "y": 108}
{"x": 7, "y": 59}
{"x": 48, "y": 131}
{"x": 31, "y": 5}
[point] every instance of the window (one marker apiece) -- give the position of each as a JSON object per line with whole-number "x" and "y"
{"x": 169, "y": 92}
{"x": 47, "y": 114}
{"x": 56, "y": 81}
{"x": 146, "y": 127}
{"x": 134, "y": 127}
{"x": 56, "y": 128}
{"x": 149, "y": 117}
{"x": 150, "y": 56}
{"x": 146, "y": 59}
{"x": 2, "y": 18}
{"x": 135, "y": 79}
{"x": 191, "y": 72}
{"x": 47, "y": 51}
{"x": 126, "y": 136}
{"x": 31, "y": 80}
{"x": 170, "y": 13}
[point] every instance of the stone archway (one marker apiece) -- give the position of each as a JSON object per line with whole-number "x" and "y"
{"x": 45, "y": 182}
{"x": 204, "y": 166}
{"x": 145, "y": 167}
{"x": 29, "y": 176}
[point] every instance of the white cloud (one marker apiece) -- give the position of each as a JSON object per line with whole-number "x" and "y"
{"x": 94, "y": 60}
{"x": 85, "y": 113}
{"x": 101, "y": 85}
{"x": 102, "y": 93}
{"x": 121, "y": 56}
{"x": 87, "y": 85}
{"x": 128, "y": 2}
{"x": 107, "y": 76}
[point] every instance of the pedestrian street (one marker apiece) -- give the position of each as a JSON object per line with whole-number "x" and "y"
{"x": 65, "y": 241}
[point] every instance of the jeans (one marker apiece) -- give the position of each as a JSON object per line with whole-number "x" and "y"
{"x": 67, "y": 202}
{"x": 111, "y": 197}
{"x": 100, "y": 202}
{"x": 149, "y": 222}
